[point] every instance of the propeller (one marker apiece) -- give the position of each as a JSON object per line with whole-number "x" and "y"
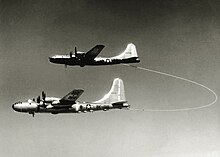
{"x": 43, "y": 95}
{"x": 75, "y": 50}
{"x": 38, "y": 99}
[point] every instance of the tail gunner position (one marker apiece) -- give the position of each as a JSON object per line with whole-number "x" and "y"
{"x": 90, "y": 57}
{"x": 114, "y": 99}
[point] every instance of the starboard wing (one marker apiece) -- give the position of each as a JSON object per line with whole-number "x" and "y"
{"x": 72, "y": 96}
{"x": 91, "y": 54}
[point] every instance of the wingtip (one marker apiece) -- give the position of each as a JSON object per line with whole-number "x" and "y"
{"x": 80, "y": 89}
{"x": 101, "y": 45}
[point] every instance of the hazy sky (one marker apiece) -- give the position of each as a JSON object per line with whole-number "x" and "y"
{"x": 173, "y": 36}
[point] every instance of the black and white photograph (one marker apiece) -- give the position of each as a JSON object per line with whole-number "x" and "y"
{"x": 112, "y": 78}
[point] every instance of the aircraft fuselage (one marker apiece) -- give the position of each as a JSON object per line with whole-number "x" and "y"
{"x": 33, "y": 107}
{"x": 67, "y": 60}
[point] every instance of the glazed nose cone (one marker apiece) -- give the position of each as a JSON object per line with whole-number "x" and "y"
{"x": 14, "y": 106}
{"x": 51, "y": 58}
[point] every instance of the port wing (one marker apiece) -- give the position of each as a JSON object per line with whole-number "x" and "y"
{"x": 72, "y": 96}
{"x": 91, "y": 54}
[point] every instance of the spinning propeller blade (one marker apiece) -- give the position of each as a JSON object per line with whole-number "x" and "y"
{"x": 75, "y": 50}
{"x": 38, "y": 99}
{"x": 43, "y": 95}
{"x": 71, "y": 54}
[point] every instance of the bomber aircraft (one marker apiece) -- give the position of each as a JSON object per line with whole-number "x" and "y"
{"x": 114, "y": 99}
{"x": 90, "y": 57}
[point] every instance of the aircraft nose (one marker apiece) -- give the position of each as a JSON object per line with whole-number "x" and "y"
{"x": 52, "y": 59}
{"x": 14, "y": 107}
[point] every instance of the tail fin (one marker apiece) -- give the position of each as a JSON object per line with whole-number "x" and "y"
{"x": 129, "y": 52}
{"x": 116, "y": 94}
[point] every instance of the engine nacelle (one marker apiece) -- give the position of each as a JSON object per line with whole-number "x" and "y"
{"x": 80, "y": 55}
{"x": 76, "y": 107}
{"x": 56, "y": 102}
{"x": 49, "y": 106}
{"x": 50, "y": 99}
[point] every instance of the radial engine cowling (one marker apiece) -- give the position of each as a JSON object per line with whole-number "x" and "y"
{"x": 80, "y": 55}
{"x": 56, "y": 102}
{"x": 50, "y": 99}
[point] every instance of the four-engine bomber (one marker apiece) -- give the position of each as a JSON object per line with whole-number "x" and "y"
{"x": 90, "y": 58}
{"x": 114, "y": 99}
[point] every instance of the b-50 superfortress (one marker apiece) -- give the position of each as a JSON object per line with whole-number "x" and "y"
{"x": 114, "y": 99}
{"x": 90, "y": 58}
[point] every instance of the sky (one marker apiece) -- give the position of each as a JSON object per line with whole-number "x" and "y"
{"x": 173, "y": 36}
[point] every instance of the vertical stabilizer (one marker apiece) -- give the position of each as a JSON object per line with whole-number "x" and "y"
{"x": 129, "y": 52}
{"x": 116, "y": 94}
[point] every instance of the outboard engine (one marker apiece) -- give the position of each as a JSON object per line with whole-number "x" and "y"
{"x": 76, "y": 107}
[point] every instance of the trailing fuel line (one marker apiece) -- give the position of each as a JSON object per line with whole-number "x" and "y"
{"x": 180, "y": 78}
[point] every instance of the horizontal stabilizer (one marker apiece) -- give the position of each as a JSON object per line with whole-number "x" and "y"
{"x": 119, "y": 104}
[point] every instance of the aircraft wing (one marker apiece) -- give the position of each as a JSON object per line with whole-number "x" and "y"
{"x": 91, "y": 54}
{"x": 72, "y": 96}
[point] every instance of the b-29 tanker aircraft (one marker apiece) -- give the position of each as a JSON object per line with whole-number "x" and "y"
{"x": 90, "y": 57}
{"x": 114, "y": 99}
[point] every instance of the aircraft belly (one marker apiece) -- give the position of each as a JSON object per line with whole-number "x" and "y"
{"x": 104, "y": 62}
{"x": 131, "y": 60}
{"x": 87, "y": 107}
{"x": 67, "y": 61}
{"x": 55, "y": 110}
{"x": 114, "y": 61}
{"x": 73, "y": 62}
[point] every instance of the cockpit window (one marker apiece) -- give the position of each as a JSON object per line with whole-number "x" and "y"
{"x": 19, "y": 102}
